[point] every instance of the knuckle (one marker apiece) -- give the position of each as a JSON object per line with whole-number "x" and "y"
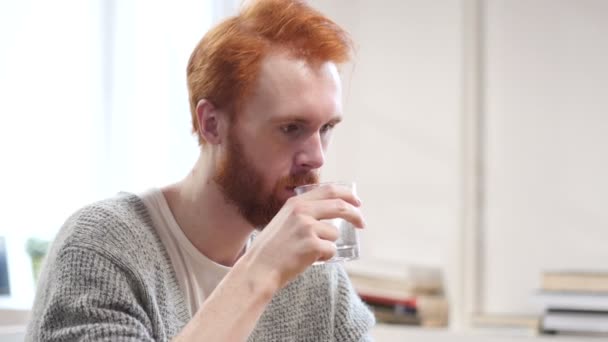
{"x": 307, "y": 227}
{"x": 299, "y": 209}
{"x": 335, "y": 233}
{"x": 340, "y": 205}
{"x": 318, "y": 247}
{"x": 327, "y": 250}
{"x": 332, "y": 235}
{"x": 332, "y": 191}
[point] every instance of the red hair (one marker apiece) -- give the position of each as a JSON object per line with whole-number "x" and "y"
{"x": 225, "y": 64}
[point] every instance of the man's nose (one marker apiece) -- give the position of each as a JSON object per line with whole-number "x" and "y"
{"x": 312, "y": 154}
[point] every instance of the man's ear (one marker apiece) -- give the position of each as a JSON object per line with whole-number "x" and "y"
{"x": 208, "y": 122}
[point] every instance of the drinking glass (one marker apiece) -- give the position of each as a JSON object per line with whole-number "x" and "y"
{"x": 347, "y": 244}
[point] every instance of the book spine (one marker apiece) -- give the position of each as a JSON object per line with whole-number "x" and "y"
{"x": 406, "y": 302}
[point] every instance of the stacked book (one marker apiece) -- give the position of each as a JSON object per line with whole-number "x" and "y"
{"x": 574, "y": 302}
{"x": 401, "y": 295}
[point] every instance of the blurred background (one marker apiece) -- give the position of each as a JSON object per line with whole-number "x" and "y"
{"x": 476, "y": 131}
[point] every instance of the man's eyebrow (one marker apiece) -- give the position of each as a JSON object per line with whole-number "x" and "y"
{"x": 291, "y": 118}
{"x": 303, "y": 119}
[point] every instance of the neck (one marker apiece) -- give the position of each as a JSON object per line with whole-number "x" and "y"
{"x": 212, "y": 225}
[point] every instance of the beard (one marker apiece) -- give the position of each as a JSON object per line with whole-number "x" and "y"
{"x": 242, "y": 185}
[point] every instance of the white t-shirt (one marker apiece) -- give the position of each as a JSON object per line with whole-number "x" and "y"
{"x": 197, "y": 275}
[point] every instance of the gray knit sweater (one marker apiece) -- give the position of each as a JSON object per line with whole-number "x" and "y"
{"x": 109, "y": 278}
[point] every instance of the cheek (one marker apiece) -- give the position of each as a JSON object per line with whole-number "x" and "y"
{"x": 266, "y": 168}
{"x": 272, "y": 158}
{"x": 276, "y": 161}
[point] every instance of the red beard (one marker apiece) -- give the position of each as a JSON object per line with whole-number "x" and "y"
{"x": 242, "y": 185}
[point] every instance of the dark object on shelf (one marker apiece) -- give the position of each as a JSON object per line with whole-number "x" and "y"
{"x": 593, "y": 323}
{"x": 4, "y": 281}
{"x": 394, "y": 316}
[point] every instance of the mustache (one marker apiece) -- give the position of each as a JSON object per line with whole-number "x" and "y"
{"x": 293, "y": 181}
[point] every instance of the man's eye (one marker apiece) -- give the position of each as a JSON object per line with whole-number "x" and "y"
{"x": 290, "y": 129}
{"x": 327, "y": 127}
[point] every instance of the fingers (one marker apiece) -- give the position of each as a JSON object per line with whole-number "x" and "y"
{"x": 326, "y": 231}
{"x": 322, "y": 245}
{"x": 333, "y": 208}
{"x": 327, "y": 250}
{"x": 332, "y": 191}
{"x": 337, "y": 208}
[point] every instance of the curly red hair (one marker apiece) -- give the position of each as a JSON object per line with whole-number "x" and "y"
{"x": 226, "y": 62}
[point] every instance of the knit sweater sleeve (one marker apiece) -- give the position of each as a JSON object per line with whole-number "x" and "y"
{"x": 89, "y": 297}
{"x": 353, "y": 320}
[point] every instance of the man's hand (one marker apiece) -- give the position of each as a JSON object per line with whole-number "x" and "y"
{"x": 297, "y": 237}
{"x": 294, "y": 239}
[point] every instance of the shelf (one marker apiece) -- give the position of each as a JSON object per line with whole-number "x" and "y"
{"x": 392, "y": 333}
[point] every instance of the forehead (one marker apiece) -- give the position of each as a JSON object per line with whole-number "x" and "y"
{"x": 289, "y": 87}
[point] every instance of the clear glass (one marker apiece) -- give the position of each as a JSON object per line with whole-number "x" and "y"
{"x": 347, "y": 244}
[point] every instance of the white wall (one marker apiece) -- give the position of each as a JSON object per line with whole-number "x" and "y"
{"x": 547, "y": 138}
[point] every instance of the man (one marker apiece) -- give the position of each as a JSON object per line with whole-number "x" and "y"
{"x": 182, "y": 263}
